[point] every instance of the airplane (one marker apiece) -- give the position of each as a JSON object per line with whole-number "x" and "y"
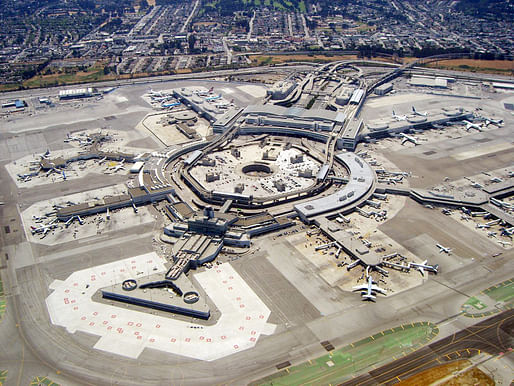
{"x": 170, "y": 105}
{"x": 63, "y": 175}
{"x": 408, "y": 138}
{"x": 212, "y": 98}
{"x": 47, "y": 153}
{"x": 464, "y": 217}
{"x": 496, "y": 179}
{"x": 491, "y": 234}
{"x": 500, "y": 203}
{"x": 102, "y": 160}
{"x": 399, "y": 117}
{"x": 44, "y": 229}
{"x": 211, "y": 90}
{"x": 155, "y": 93}
{"x": 367, "y": 290}
{"x": 444, "y": 249}
{"x": 446, "y": 211}
{"x": 418, "y": 113}
{"x": 507, "y": 231}
{"x": 470, "y": 125}
{"x": 465, "y": 210}
{"x": 117, "y": 167}
{"x": 483, "y": 226}
{"x": 504, "y": 243}
{"x": 162, "y": 99}
{"x": 496, "y": 122}
{"x": 424, "y": 266}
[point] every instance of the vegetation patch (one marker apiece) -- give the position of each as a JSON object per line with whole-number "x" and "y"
{"x": 342, "y": 363}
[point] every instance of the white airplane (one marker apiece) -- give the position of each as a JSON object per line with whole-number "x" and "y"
{"x": 44, "y": 229}
{"x": 118, "y": 167}
{"x": 368, "y": 290}
{"x": 102, "y": 161}
{"x": 399, "y": 117}
{"x": 418, "y": 113}
{"x": 409, "y": 138}
{"x": 465, "y": 217}
{"x": 504, "y": 243}
{"x": 496, "y": 180}
{"x": 155, "y": 93}
{"x": 470, "y": 125}
{"x": 425, "y": 266}
{"x": 500, "y": 203}
{"x": 496, "y": 122}
{"x": 483, "y": 226}
{"x": 491, "y": 234}
{"x": 444, "y": 249}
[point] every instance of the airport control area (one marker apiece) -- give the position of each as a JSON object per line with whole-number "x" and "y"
{"x": 342, "y": 223}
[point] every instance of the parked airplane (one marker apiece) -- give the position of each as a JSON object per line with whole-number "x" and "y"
{"x": 418, "y": 113}
{"x": 444, "y": 249}
{"x": 500, "y": 203}
{"x": 465, "y": 217}
{"x": 44, "y": 229}
{"x": 213, "y": 98}
{"x": 425, "y": 266}
{"x": 155, "y": 93}
{"x": 119, "y": 166}
{"x": 102, "y": 161}
{"x": 496, "y": 180}
{"x": 170, "y": 105}
{"x": 491, "y": 234}
{"x": 470, "y": 125}
{"x": 368, "y": 290}
{"x": 63, "y": 175}
{"x": 507, "y": 231}
{"x": 504, "y": 243}
{"x": 483, "y": 226}
{"x": 409, "y": 139}
{"x": 399, "y": 117}
{"x": 496, "y": 122}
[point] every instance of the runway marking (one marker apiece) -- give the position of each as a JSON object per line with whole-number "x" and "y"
{"x": 128, "y": 332}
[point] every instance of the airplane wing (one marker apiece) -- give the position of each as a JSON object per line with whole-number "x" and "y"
{"x": 360, "y": 288}
{"x": 420, "y": 269}
{"x": 404, "y": 140}
{"x": 378, "y": 289}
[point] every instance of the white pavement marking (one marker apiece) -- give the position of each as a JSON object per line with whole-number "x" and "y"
{"x": 128, "y": 332}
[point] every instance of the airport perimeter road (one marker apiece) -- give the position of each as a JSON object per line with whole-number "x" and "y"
{"x": 492, "y": 336}
{"x": 158, "y": 79}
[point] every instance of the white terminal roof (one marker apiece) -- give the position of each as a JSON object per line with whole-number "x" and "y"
{"x": 296, "y": 113}
{"x": 361, "y": 180}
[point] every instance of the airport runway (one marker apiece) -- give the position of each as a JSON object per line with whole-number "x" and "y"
{"x": 492, "y": 336}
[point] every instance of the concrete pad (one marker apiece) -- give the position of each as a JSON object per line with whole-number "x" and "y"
{"x": 128, "y": 332}
{"x": 482, "y": 151}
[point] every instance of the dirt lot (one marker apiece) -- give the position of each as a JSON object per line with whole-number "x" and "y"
{"x": 445, "y": 375}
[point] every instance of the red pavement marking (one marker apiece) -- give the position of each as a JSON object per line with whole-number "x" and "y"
{"x": 83, "y": 318}
{"x": 252, "y": 339}
{"x": 75, "y": 308}
{"x": 91, "y": 323}
{"x": 113, "y": 316}
{"x": 130, "y": 323}
{"x": 67, "y": 291}
{"x": 138, "y": 324}
{"x": 120, "y": 330}
{"x": 157, "y": 326}
{"x": 152, "y": 340}
{"x": 248, "y": 318}
{"x": 188, "y": 339}
{"x": 136, "y": 333}
{"x": 173, "y": 340}
{"x": 95, "y": 313}
{"x": 236, "y": 346}
{"x": 66, "y": 301}
{"x": 223, "y": 337}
